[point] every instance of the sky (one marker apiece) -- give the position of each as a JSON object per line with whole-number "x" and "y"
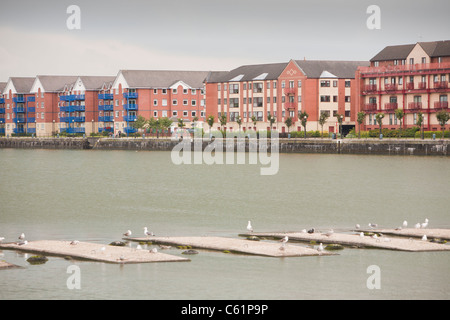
{"x": 203, "y": 34}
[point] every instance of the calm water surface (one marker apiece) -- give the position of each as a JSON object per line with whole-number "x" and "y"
{"x": 97, "y": 195}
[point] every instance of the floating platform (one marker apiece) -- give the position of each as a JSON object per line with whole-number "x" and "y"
{"x": 6, "y": 265}
{"x": 443, "y": 234}
{"x": 355, "y": 240}
{"x": 261, "y": 248}
{"x": 92, "y": 251}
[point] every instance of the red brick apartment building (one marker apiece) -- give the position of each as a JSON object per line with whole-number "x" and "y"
{"x": 157, "y": 94}
{"x": 282, "y": 90}
{"x": 412, "y": 77}
{"x": 2, "y": 109}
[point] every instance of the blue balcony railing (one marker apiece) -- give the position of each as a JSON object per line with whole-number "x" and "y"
{"x": 106, "y": 107}
{"x": 129, "y": 130}
{"x": 72, "y": 108}
{"x": 31, "y": 119}
{"x": 2, "y": 120}
{"x": 130, "y": 95}
{"x": 18, "y": 130}
{"x": 2, "y": 110}
{"x": 2, "y": 130}
{"x": 2, "y": 100}
{"x": 106, "y": 129}
{"x": 19, "y": 99}
{"x": 19, "y": 110}
{"x": 72, "y": 119}
{"x": 106, "y": 96}
{"x": 130, "y": 107}
{"x": 106, "y": 119}
{"x": 31, "y": 130}
{"x": 73, "y": 130}
{"x": 31, "y": 99}
{"x": 19, "y": 120}
{"x": 31, "y": 109}
{"x": 72, "y": 97}
{"x": 129, "y": 118}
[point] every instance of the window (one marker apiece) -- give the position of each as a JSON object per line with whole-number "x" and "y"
{"x": 424, "y": 60}
{"x": 291, "y": 84}
{"x": 193, "y": 91}
{"x": 164, "y": 91}
{"x": 299, "y": 83}
{"x": 174, "y": 113}
{"x": 335, "y": 99}
{"x": 117, "y": 114}
{"x": 324, "y": 98}
{"x": 347, "y": 98}
{"x": 164, "y": 102}
{"x": 155, "y": 91}
{"x": 257, "y": 102}
{"x": 234, "y": 102}
{"x": 185, "y": 113}
{"x": 174, "y": 91}
{"x": 257, "y": 87}
{"x": 335, "y": 83}
{"x": 347, "y": 114}
{"x": 347, "y": 84}
{"x": 324, "y": 83}
{"x": 194, "y": 103}
{"x": 193, "y": 113}
{"x": 411, "y": 60}
{"x": 155, "y": 102}
{"x": 234, "y": 88}
{"x": 164, "y": 113}
{"x": 155, "y": 114}
{"x": 175, "y": 102}
{"x": 274, "y": 84}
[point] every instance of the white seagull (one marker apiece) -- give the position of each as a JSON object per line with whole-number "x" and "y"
{"x": 74, "y": 242}
{"x": 320, "y": 249}
{"x": 361, "y": 234}
{"x": 154, "y": 250}
{"x": 147, "y": 233}
{"x": 329, "y": 233}
{"x": 425, "y": 224}
{"x": 127, "y": 234}
{"x": 424, "y": 238}
{"x": 283, "y": 242}
{"x": 373, "y": 225}
{"x": 22, "y": 236}
{"x": 357, "y": 226}
{"x": 417, "y": 226}
{"x": 405, "y": 224}
{"x": 249, "y": 227}
{"x": 1, "y": 239}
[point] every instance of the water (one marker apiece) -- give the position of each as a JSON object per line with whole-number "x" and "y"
{"x": 97, "y": 195}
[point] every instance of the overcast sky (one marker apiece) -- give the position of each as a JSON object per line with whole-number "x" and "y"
{"x": 203, "y": 34}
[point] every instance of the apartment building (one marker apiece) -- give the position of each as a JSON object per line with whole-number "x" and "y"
{"x": 281, "y": 90}
{"x": 19, "y": 105}
{"x": 157, "y": 94}
{"x": 412, "y": 77}
{"x": 2, "y": 109}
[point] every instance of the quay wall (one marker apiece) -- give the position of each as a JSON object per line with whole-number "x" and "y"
{"x": 325, "y": 146}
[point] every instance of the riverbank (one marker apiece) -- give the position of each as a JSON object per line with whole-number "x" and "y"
{"x": 325, "y": 146}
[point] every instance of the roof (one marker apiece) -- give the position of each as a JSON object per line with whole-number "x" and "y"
{"x": 2, "y": 86}
{"x": 96, "y": 82}
{"x": 436, "y": 48}
{"x": 22, "y": 84}
{"x": 56, "y": 83}
{"x": 339, "y": 69}
{"x": 250, "y": 73}
{"x": 163, "y": 79}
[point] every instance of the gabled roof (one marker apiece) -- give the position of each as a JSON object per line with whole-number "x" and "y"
{"x": 55, "y": 83}
{"x": 436, "y": 48}
{"x": 399, "y": 52}
{"x": 22, "y": 84}
{"x": 96, "y": 82}
{"x": 339, "y": 69}
{"x": 250, "y": 73}
{"x": 2, "y": 86}
{"x": 163, "y": 79}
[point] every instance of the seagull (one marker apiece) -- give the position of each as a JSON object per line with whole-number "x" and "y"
{"x": 147, "y": 233}
{"x": 405, "y": 224}
{"x": 320, "y": 249}
{"x": 1, "y": 239}
{"x": 283, "y": 242}
{"x": 164, "y": 247}
{"x": 329, "y": 233}
{"x": 303, "y": 230}
{"x": 23, "y": 243}
{"x": 22, "y": 236}
{"x": 425, "y": 224}
{"x": 102, "y": 249}
{"x": 424, "y": 238}
{"x": 361, "y": 234}
{"x": 249, "y": 227}
{"x": 127, "y": 234}
{"x": 357, "y": 226}
{"x": 154, "y": 250}
{"x": 374, "y": 236}
{"x": 74, "y": 242}
{"x": 138, "y": 247}
{"x": 417, "y": 226}
{"x": 311, "y": 230}
{"x": 373, "y": 225}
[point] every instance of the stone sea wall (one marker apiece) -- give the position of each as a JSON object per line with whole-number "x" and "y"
{"x": 325, "y": 146}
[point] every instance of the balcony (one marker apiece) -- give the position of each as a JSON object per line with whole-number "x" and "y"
{"x": 370, "y": 88}
{"x": 289, "y": 91}
{"x": 19, "y": 99}
{"x": 410, "y": 86}
{"x": 2, "y": 120}
{"x": 31, "y": 99}
{"x": 130, "y": 107}
{"x": 441, "y": 85}
{"x": 18, "y": 130}
{"x": 72, "y": 97}
{"x": 2, "y": 110}
{"x": 129, "y": 118}
{"x": 31, "y": 109}
{"x": 106, "y": 107}
{"x": 2, "y": 100}
{"x": 403, "y": 68}
{"x": 390, "y": 87}
{"x": 422, "y": 85}
{"x": 19, "y": 120}
{"x": 72, "y": 119}
{"x": 31, "y": 119}
{"x": 106, "y": 96}
{"x": 130, "y": 95}
{"x": 441, "y": 105}
{"x": 72, "y": 108}
{"x": 19, "y": 110}
{"x": 106, "y": 119}
{"x": 370, "y": 107}
{"x": 129, "y": 130}
{"x": 2, "y": 131}
{"x": 415, "y": 106}
{"x": 106, "y": 129}
{"x": 391, "y": 106}
{"x": 73, "y": 130}
{"x": 31, "y": 130}
{"x": 290, "y": 105}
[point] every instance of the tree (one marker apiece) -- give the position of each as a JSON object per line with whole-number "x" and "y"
{"x": 194, "y": 122}
{"x": 254, "y": 119}
{"x": 288, "y": 123}
{"x": 271, "y": 119}
{"x": 239, "y": 121}
{"x": 323, "y": 119}
{"x": 443, "y": 117}
{"x": 379, "y": 117}
{"x": 210, "y": 121}
{"x": 140, "y": 123}
{"x": 303, "y": 117}
{"x": 165, "y": 123}
{"x": 420, "y": 121}
{"x": 360, "y": 119}
{"x": 399, "y": 113}
{"x": 223, "y": 120}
